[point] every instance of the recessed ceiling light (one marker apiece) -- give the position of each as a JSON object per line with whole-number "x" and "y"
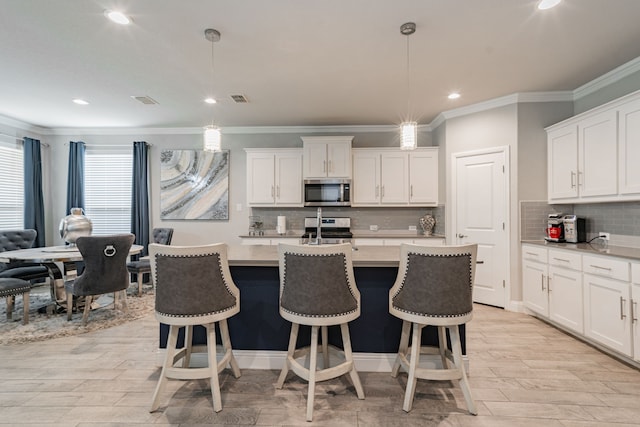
{"x": 117, "y": 17}
{"x": 548, "y": 4}
{"x": 210, "y": 101}
{"x": 80, "y": 101}
{"x": 454, "y": 95}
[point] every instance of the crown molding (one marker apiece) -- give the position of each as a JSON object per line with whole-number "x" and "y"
{"x": 20, "y": 125}
{"x": 611, "y": 77}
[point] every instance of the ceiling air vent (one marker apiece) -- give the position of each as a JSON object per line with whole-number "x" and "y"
{"x": 239, "y": 99}
{"x": 145, "y": 99}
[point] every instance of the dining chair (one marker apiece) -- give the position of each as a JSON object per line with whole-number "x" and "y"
{"x": 9, "y": 288}
{"x": 141, "y": 268}
{"x": 11, "y": 240}
{"x": 105, "y": 270}
{"x": 434, "y": 287}
{"x": 194, "y": 287}
{"x": 318, "y": 289}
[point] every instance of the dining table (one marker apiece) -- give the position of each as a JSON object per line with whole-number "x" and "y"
{"x": 59, "y": 260}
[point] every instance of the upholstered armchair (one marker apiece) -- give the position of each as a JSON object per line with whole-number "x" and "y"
{"x": 142, "y": 268}
{"x": 11, "y": 240}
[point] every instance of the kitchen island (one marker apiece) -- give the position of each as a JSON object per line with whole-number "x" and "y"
{"x": 259, "y": 327}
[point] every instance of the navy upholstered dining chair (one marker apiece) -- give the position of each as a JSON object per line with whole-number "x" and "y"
{"x": 105, "y": 270}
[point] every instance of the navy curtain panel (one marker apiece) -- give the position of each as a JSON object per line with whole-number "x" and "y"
{"x": 140, "y": 195}
{"x": 33, "y": 195}
{"x": 75, "y": 176}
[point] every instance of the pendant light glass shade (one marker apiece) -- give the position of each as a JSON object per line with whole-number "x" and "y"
{"x": 212, "y": 139}
{"x": 408, "y": 135}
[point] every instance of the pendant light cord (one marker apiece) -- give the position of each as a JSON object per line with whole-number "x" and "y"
{"x": 408, "y": 82}
{"x": 212, "y": 78}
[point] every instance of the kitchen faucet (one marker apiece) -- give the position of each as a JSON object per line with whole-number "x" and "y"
{"x": 318, "y": 229}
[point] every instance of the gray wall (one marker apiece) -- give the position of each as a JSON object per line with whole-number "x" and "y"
{"x": 615, "y": 90}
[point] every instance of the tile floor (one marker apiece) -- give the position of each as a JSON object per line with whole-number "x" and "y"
{"x": 523, "y": 373}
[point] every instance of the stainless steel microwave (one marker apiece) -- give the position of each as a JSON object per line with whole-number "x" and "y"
{"x": 327, "y": 192}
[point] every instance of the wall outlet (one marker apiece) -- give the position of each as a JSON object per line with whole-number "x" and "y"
{"x": 373, "y": 227}
{"x": 413, "y": 228}
{"x": 604, "y": 236}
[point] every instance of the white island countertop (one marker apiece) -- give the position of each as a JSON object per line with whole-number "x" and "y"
{"x": 267, "y": 256}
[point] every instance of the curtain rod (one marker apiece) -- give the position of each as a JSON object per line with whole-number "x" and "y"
{"x": 20, "y": 139}
{"x": 110, "y": 145}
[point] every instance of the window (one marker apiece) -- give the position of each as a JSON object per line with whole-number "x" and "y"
{"x": 108, "y": 173}
{"x": 11, "y": 185}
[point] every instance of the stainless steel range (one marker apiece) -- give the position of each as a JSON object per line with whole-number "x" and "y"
{"x": 332, "y": 230}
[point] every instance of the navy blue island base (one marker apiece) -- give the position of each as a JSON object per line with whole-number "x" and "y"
{"x": 259, "y": 326}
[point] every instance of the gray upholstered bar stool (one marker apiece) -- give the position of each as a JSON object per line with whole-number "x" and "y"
{"x": 318, "y": 289}
{"x": 142, "y": 267}
{"x": 434, "y": 287}
{"x": 194, "y": 287}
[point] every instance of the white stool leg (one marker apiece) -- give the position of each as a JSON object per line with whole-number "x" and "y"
{"x": 442, "y": 346}
{"x": 454, "y": 333}
{"x": 313, "y": 360}
{"x": 168, "y": 362}
{"x": 413, "y": 364}
{"x": 213, "y": 367}
{"x": 226, "y": 345}
{"x": 348, "y": 355}
{"x": 402, "y": 349}
{"x": 293, "y": 337}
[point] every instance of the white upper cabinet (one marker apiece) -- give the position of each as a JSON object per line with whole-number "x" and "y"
{"x": 592, "y": 157}
{"x": 327, "y": 156}
{"x": 629, "y": 147}
{"x": 393, "y": 177}
{"x": 274, "y": 177}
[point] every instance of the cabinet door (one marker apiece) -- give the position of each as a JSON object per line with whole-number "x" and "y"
{"x": 598, "y": 155}
{"x": 288, "y": 179}
{"x": 565, "y": 298}
{"x": 629, "y": 147}
{"x": 606, "y": 312}
{"x": 366, "y": 178}
{"x": 260, "y": 178}
{"x": 394, "y": 183}
{"x": 315, "y": 160}
{"x": 339, "y": 160}
{"x": 423, "y": 177}
{"x": 562, "y": 163}
{"x": 635, "y": 316}
{"x": 534, "y": 287}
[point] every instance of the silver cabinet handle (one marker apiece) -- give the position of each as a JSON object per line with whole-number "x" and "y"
{"x": 580, "y": 181}
{"x": 278, "y": 191}
{"x": 561, "y": 259}
{"x": 461, "y": 236}
{"x": 382, "y": 191}
{"x": 377, "y": 190}
{"x": 324, "y": 166}
{"x": 573, "y": 179}
{"x": 622, "y": 315}
{"x": 272, "y": 191}
{"x": 532, "y": 253}
{"x": 548, "y": 283}
{"x": 634, "y": 309}
{"x": 330, "y": 166}
{"x": 600, "y": 268}
{"x": 479, "y": 262}
{"x": 542, "y": 281}
{"x": 411, "y": 191}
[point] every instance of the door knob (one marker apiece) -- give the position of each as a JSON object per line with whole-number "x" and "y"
{"x": 461, "y": 236}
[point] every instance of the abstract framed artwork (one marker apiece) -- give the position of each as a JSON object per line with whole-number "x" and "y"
{"x": 194, "y": 185}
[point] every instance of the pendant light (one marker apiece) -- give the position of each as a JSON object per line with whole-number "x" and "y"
{"x": 212, "y": 137}
{"x": 408, "y": 129}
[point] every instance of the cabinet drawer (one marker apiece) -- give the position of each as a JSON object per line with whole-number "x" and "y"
{"x": 534, "y": 253}
{"x": 565, "y": 259}
{"x": 635, "y": 272}
{"x": 606, "y": 267}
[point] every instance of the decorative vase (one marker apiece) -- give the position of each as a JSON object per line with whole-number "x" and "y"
{"x": 427, "y": 223}
{"x": 75, "y": 225}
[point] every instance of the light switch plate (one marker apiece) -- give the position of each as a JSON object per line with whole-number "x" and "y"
{"x": 373, "y": 228}
{"x": 413, "y": 228}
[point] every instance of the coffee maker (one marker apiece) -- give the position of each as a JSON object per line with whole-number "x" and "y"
{"x": 555, "y": 228}
{"x": 574, "y": 229}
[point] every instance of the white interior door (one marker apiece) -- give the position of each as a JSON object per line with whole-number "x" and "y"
{"x": 480, "y": 215}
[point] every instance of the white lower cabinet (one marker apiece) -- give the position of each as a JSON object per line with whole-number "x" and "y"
{"x": 565, "y": 298}
{"x": 594, "y": 296}
{"x": 395, "y": 241}
{"x": 265, "y": 241}
{"x": 606, "y": 312}
{"x": 635, "y": 309}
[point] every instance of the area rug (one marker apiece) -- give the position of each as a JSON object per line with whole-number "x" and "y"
{"x": 43, "y": 325}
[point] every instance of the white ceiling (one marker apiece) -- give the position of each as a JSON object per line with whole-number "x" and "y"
{"x": 299, "y": 62}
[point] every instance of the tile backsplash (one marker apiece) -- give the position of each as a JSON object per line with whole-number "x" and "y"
{"x": 361, "y": 218}
{"x": 620, "y": 219}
